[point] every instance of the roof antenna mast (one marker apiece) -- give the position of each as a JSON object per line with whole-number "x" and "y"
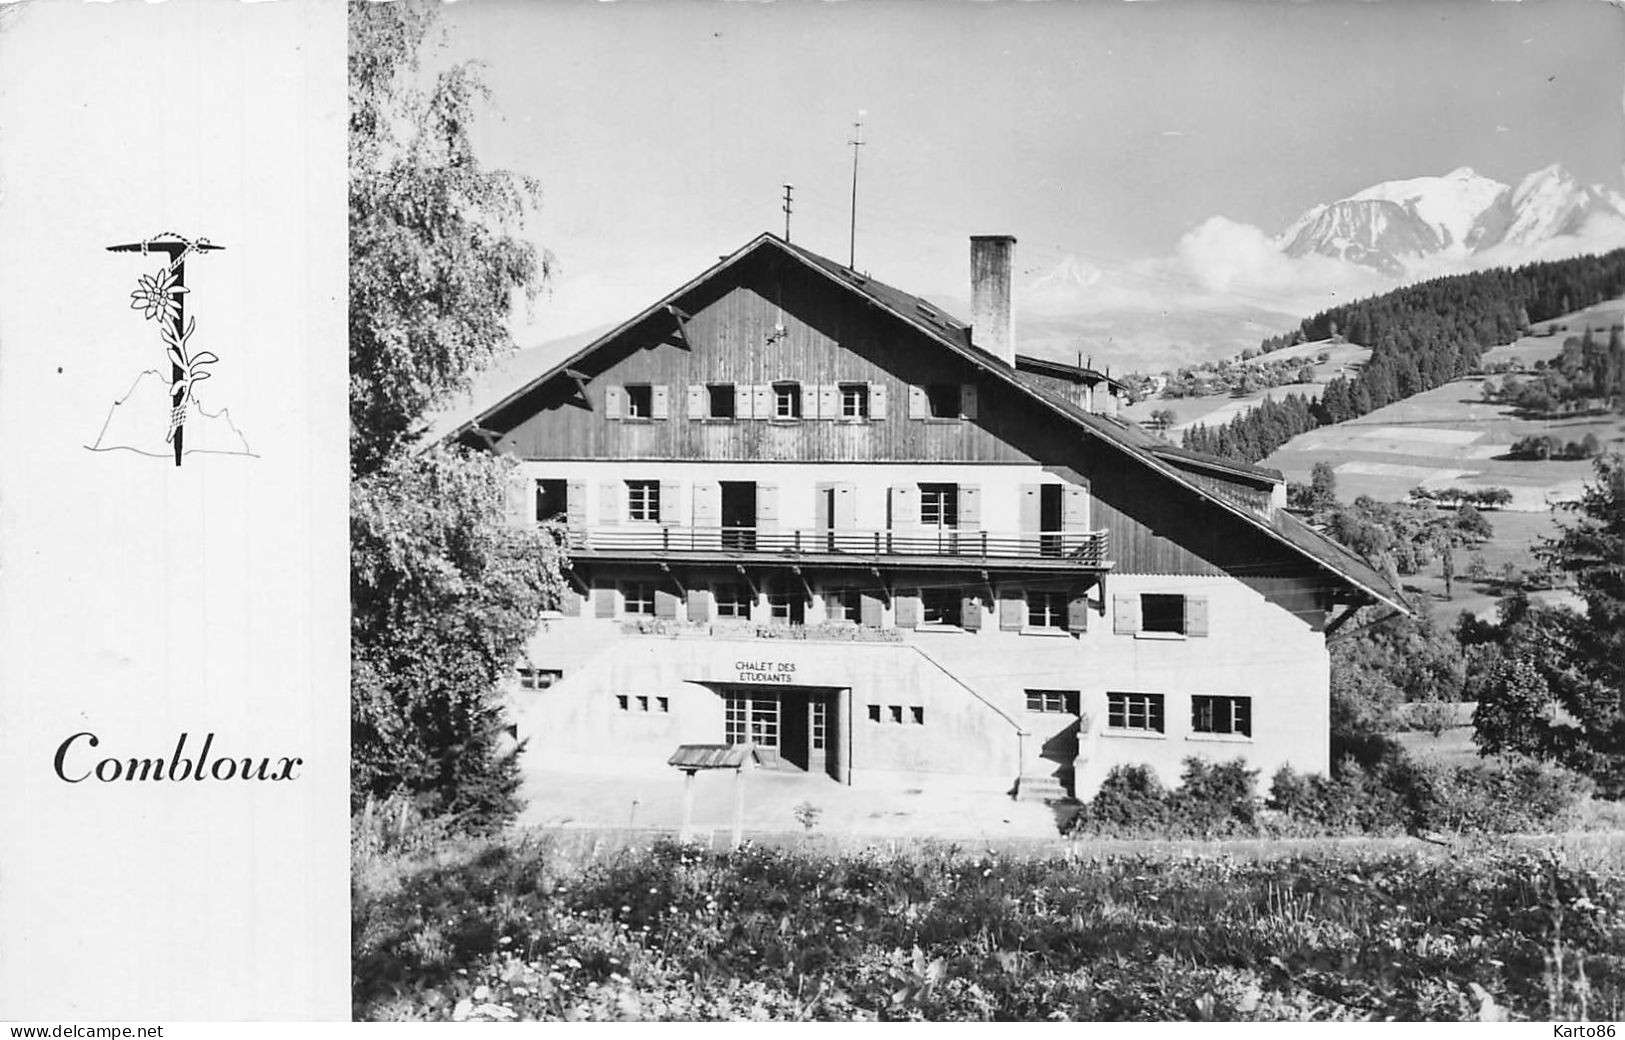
{"x": 788, "y": 188}
{"x": 856, "y": 142}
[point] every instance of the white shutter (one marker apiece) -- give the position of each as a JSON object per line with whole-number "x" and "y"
{"x": 767, "y": 508}
{"x": 918, "y": 406}
{"x": 1125, "y": 614}
{"x": 1074, "y": 508}
{"x": 877, "y": 400}
{"x": 614, "y": 402}
{"x": 609, "y": 502}
{"x": 967, "y": 400}
{"x": 829, "y": 401}
{"x": 970, "y": 507}
{"x": 698, "y": 407}
{"x": 660, "y": 401}
{"x": 669, "y": 495}
{"x": 762, "y": 400}
{"x": 1196, "y": 615}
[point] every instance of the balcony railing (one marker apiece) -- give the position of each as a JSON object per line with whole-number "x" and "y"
{"x": 1087, "y": 548}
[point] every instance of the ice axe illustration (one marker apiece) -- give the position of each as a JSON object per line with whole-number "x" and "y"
{"x": 162, "y": 296}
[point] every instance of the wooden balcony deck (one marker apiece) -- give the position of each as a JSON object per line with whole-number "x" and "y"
{"x": 1060, "y": 550}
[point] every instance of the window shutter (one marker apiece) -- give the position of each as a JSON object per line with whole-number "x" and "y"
{"x": 822, "y": 494}
{"x": 908, "y": 610}
{"x": 829, "y": 401}
{"x": 669, "y": 493}
{"x": 967, "y": 400}
{"x": 905, "y": 507}
{"x": 665, "y": 604}
{"x": 698, "y": 406}
{"x": 1125, "y": 614}
{"x": 575, "y": 505}
{"x": 603, "y": 602}
{"x": 699, "y": 605}
{"x": 609, "y": 502}
{"x": 918, "y": 406}
{"x": 707, "y": 504}
{"x": 1077, "y": 612}
{"x": 877, "y": 400}
{"x": 970, "y": 507}
{"x": 1012, "y": 610}
{"x": 767, "y": 508}
{"x": 970, "y": 614}
{"x": 1031, "y": 514}
{"x": 614, "y": 402}
{"x": 872, "y": 611}
{"x": 660, "y": 401}
{"x": 1196, "y": 615}
{"x": 1074, "y": 508}
{"x": 762, "y": 401}
{"x": 846, "y": 506}
{"x": 520, "y": 494}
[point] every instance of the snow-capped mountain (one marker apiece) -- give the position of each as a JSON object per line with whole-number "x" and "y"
{"x": 1396, "y": 226}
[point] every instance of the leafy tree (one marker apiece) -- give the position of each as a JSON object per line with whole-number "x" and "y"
{"x": 443, "y": 596}
{"x": 444, "y": 588}
{"x": 1556, "y": 688}
{"x": 435, "y": 264}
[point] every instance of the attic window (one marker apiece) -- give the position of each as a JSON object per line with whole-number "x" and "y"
{"x": 639, "y": 401}
{"x": 720, "y": 400}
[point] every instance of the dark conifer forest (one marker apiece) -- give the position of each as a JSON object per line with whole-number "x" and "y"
{"x": 1421, "y": 336}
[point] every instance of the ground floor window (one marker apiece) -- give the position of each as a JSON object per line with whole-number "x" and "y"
{"x": 751, "y": 720}
{"x": 638, "y": 597}
{"x": 843, "y": 605}
{"x": 733, "y": 600}
{"x": 1222, "y": 715}
{"x": 1135, "y": 712}
{"x": 939, "y": 606}
{"x": 539, "y": 678}
{"x": 1046, "y": 608}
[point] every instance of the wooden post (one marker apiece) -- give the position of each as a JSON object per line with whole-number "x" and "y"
{"x": 739, "y": 805}
{"x": 683, "y": 833}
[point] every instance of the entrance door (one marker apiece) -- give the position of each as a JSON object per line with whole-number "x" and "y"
{"x": 751, "y": 716}
{"x": 739, "y": 514}
{"x": 1060, "y": 748}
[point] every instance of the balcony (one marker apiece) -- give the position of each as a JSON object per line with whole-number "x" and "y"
{"x": 1065, "y": 550}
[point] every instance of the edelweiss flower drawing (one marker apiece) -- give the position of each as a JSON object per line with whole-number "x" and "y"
{"x": 156, "y": 294}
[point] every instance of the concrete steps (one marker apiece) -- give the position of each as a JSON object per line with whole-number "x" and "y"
{"x": 1040, "y": 789}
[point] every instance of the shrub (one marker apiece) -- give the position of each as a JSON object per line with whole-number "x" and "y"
{"x": 1129, "y": 800}
{"x": 1215, "y": 798}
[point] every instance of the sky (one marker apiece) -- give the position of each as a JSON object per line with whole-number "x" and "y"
{"x": 1105, "y": 136}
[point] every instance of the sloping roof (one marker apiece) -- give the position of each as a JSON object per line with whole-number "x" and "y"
{"x": 955, "y": 336}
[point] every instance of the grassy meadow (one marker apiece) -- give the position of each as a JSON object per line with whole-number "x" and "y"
{"x": 551, "y": 927}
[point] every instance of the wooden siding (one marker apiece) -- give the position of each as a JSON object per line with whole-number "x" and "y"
{"x": 831, "y": 336}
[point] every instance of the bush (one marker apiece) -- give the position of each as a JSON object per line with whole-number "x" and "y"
{"x": 1215, "y": 799}
{"x": 1130, "y": 800}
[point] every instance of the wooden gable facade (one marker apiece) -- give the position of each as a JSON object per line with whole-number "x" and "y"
{"x": 767, "y": 317}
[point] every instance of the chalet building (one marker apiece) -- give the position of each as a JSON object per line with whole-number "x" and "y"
{"x": 813, "y": 513}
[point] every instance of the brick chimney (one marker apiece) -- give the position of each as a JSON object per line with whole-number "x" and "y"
{"x": 993, "y": 313}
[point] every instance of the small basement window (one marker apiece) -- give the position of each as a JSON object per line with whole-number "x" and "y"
{"x": 720, "y": 401}
{"x": 917, "y": 713}
{"x": 539, "y": 678}
{"x": 874, "y": 713}
{"x": 640, "y": 401}
{"x": 896, "y": 711}
{"x": 1162, "y": 613}
{"x": 1053, "y": 702}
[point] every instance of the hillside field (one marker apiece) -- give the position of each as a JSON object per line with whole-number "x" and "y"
{"x": 1451, "y": 437}
{"x": 1343, "y": 359}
